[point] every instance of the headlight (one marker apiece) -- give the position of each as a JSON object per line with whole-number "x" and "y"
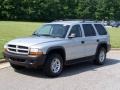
{"x": 35, "y": 51}
{"x": 5, "y": 47}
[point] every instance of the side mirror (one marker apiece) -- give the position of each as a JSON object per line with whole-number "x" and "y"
{"x": 72, "y": 35}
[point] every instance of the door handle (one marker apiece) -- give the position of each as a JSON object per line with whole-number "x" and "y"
{"x": 98, "y": 40}
{"x": 82, "y": 42}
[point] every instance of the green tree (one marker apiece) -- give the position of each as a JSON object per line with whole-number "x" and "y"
{"x": 86, "y": 9}
{"x": 108, "y": 9}
{"x": 48, "y": 10}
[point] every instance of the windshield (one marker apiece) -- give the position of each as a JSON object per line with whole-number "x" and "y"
{"x": 53, "y": 30}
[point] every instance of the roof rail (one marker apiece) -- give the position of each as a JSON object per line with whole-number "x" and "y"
{"x": 57, "y": 20}
{"x": 81, "y": 20}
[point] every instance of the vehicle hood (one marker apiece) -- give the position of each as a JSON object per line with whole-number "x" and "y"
{"x": 33, "y": 40}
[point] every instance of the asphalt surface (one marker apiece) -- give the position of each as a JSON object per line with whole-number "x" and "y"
{"x": 83, "y": 76}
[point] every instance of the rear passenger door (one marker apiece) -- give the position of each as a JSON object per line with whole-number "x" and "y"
{"x": 90, "y": 39}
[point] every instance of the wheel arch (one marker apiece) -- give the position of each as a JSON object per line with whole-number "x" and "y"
{"x": 57, "y": 49}
{"x": 102, "y": 44}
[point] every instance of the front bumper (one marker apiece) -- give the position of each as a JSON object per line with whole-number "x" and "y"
{"x": 25, "y": 60}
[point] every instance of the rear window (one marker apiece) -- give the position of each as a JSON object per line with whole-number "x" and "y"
{"x": 100, "y": 29}
{"x": 89, "y": 30}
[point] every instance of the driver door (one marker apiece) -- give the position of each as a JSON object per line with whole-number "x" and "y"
{"x": 75, "y": 43}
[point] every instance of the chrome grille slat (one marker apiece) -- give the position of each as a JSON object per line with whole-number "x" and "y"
{"x": 23, "y": 49}
{"x": 14, "y": 50}
{"x": 18, "y": 49}
{"x": 11, "y": 48}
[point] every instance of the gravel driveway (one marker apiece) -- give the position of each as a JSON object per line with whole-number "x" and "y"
{"x": 83, "y": 76}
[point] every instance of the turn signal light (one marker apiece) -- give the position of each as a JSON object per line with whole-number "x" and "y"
{"x": 36, "y": 53}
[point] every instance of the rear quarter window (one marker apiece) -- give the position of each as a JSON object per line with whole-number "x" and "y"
{"x": 100, "y": 29}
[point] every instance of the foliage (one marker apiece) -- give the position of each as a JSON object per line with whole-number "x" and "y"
{"x": 48, "y": 10}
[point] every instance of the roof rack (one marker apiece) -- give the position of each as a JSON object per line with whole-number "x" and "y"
{"x": 80, "y": 20}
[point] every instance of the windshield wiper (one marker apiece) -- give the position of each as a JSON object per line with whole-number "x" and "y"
{"x": 36, "y": 34}
{"x": 45, "y": 35}
{"x": 48, "y": 35}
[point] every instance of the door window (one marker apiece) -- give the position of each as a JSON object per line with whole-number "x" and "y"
{"x": 88, "y": 30}
{"x": 76, "y": 30}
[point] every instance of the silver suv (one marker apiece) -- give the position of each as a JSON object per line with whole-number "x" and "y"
{"x": 57, "y": 44}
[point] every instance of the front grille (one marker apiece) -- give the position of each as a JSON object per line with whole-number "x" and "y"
{"x": 23, "y": 47}
{"x": 12, "y": 46}
{"x": 18, "y": 49}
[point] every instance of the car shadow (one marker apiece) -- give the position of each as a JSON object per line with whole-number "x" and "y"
{"x": 86, "y": 66}
{"x": 69, "y": 70}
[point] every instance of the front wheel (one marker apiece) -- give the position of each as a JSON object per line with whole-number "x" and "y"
{"x": 100, "y": 56}
{"x": 54, "y": 65}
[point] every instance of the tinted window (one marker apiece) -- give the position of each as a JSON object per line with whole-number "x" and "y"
{"x": 76, "y": 30}
{"x": 100, "y": 29}
{"x": 89, "y": 30}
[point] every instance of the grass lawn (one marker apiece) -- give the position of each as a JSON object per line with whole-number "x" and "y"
{"x": 11, "y": 30}
{"x": 114, "y": 37}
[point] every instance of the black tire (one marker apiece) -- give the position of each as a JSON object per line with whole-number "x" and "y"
{"x": 48, "y": 65}
{"x": 16, "y": 67}
{"x": 97, "y": 60}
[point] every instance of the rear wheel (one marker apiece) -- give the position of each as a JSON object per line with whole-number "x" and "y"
{"x": 100, "y": 56}
{"x": 54, "y": 65}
